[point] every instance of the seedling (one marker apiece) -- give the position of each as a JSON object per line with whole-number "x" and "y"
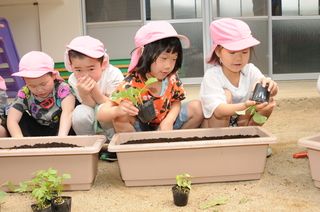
{"x": 3, "y": 193}
{"x": 183, "y": 183}
{"x": 133, "y": 94}
{"x": 258, "y": 118}
{"x": 44, "y": 186}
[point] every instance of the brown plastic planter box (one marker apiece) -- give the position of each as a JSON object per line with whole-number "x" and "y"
{"x": 207, "y": 161}
{"x": 313, "y": 145}
{"x": 81, "y": 162}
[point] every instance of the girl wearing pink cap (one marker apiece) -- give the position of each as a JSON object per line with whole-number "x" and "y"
{"x": 227, "y": 86}
{"x": 158, "y": 55}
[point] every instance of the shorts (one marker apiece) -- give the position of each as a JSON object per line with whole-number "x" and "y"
{"x": 181, "y": 119}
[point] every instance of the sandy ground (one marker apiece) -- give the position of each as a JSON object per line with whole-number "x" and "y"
{"x": 286, "y": 184}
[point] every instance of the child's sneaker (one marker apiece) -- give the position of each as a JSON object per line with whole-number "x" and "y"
{"x": 233, "y": 121}
{"x": 108, "y": 156}
{"x": 269, "y": 152}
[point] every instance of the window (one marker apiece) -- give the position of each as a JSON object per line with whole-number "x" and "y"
{"x": 112, "y": 10}
{"x": 173, "y": 9}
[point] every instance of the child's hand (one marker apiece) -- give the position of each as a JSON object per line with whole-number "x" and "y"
{"x": 272, "y": 85}
{"x": 127, "y": 108}
{"x": 266, "y": 106}
{"x": 165, "y": 125}
{"x": 85, "y": 85}
{"x": 248, "y": 103}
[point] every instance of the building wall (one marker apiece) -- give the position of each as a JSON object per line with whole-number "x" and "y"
{"x": 44, "y": 25}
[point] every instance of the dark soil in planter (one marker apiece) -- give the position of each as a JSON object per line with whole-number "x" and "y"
{"x": 179, "y": 139}
{"x": 43, "y": 145}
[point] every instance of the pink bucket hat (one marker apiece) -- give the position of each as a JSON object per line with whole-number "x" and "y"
{"x": 232, "y": 34}
{"x": 35, "y": 64}
{"x": 153, "y": 31}
{"x": 86, "y": 45}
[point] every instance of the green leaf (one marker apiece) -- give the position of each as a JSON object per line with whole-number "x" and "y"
{"x": 258, "y": 118}
{"x": 2, "y": 194}
{"x": 11, "y": 185}
{"x": 243, "y": 200}
{"x": 183, "y": 182}
{"x": 252, "y": 108}
{"x": 151, "y": 80}
{"x": 242, "y": 112}
{"x": 66, "y": 176}
{"x": 217, "y": 201}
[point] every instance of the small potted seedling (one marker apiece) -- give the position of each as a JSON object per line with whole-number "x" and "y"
{"x": 146, "y": 109}
{"x": 44, "y": 187}
{"x": 181, "y": 190}
{"x": 260, "y": 95}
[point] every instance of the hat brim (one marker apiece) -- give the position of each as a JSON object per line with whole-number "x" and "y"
{"x": 67, "y": 60}
{"x": 241, "y": 44}
{"x": 234, "y": 46}
{"x": 36, "y": 74}
{"x": 85, "y": 51}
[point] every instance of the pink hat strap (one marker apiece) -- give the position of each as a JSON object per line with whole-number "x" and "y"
{"x": 135, "y": 58}
{"x": 58, "y": 75}
{"x": 2, "y": 84}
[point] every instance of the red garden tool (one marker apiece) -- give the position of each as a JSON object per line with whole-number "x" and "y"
{"x": 300, "y": 155}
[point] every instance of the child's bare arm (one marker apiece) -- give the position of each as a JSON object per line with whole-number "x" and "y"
{"x": 168, "y": 121}
{"x": 224, "y": 110}
{"x": 67, "y": 106}
{"x": 13, "y": 119}
{"x": 98, "y": 96}
{"x": 111, "y": 110}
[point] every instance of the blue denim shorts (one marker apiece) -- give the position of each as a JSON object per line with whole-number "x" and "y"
{"x": 181, "y": 119}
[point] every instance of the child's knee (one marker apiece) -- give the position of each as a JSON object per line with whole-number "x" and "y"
{"x": 195, "y": 107}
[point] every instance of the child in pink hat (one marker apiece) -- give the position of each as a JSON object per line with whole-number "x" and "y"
{"x": 44, "y": 106}
{"x": 227, "y": 86}
{"x": 3, "y": 105}
{"x": 93, "y": 80}
{"x": 158, "y": 55}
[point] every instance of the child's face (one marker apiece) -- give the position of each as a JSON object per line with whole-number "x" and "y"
{"x": 233, "y": 61}
{"x": 164, "y": 65}
{"x": 88, "y": 66}
{"x": 42, "y": 86}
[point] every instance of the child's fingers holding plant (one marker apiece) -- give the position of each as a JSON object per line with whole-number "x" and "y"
{"x": 248, "y": 103}
{"x": 127, "y": 108}
{"x": 273, "y": 88}
{"x": 266, "y": 106}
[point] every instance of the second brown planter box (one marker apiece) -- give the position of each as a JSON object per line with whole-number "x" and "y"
{"x": 208, "y": 161}
{"x": 312, "y": 143}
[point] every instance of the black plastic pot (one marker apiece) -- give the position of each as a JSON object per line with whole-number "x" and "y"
{"x": 147, "y": 111}
{"x": 48, "y": 209}
{"x": 65, "y": 206}
{"x": 180, "y": 198}
{"x": 261, "y": 94}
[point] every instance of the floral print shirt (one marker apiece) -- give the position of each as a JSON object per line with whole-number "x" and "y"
{"x": 173, "y": 93}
